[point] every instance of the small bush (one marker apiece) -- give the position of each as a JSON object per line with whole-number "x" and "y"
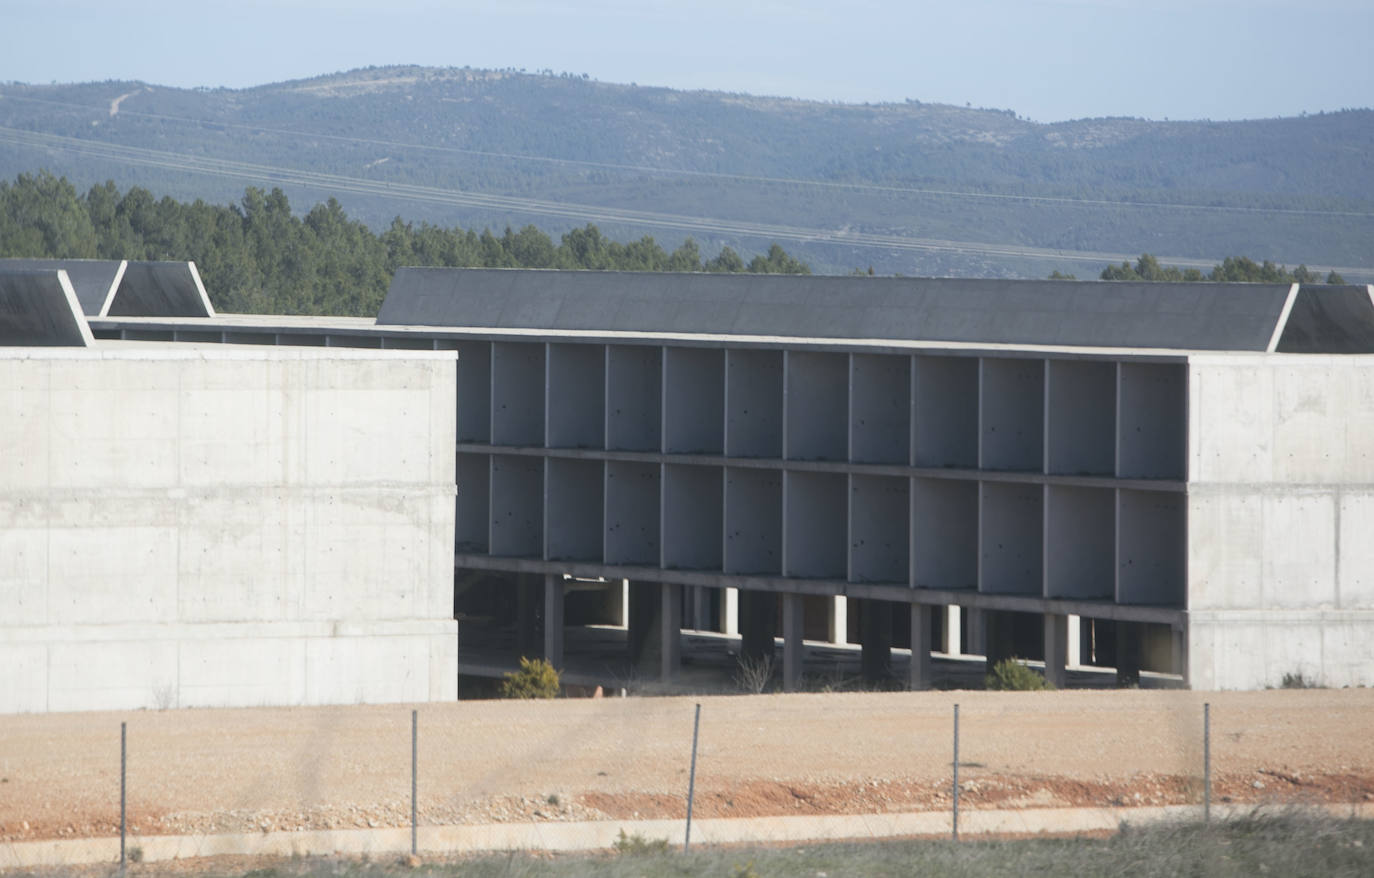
{"x": 752, "y": 674}
{"x": 535, "y": 679}
{"x": 1010, "y": 675}
{"x": 638, "y": 846}
{"x": 1298, "y": 680}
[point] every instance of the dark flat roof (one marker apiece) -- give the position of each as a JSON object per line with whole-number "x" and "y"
{"x": 1177, "y": 316}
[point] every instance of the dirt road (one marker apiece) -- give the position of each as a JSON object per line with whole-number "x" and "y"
{"x": 194, "y": 771}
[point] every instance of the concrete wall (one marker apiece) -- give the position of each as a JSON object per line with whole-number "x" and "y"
{"x": 225, "y": 527}
{"x": 1280, "y": 509}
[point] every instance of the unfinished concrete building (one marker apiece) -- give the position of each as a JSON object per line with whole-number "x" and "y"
{"x": 187, "y": 525}
{"x": 1167, "y": 477}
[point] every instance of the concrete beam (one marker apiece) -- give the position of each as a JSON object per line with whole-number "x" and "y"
{"x": 777, "y": 583}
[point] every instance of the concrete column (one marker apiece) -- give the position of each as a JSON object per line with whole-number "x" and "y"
{"x": 655, "y": 630}
{"x": 670, "y": 631}
{"x": 1075, "y": 640}
{"x": 643, "y": 618}
{"x": 527, "y": 613}
{"x": 729, "y": 611}
{"x": 1180, "y": 644}
{"x": 553, "y": 619}
{"x": 701, "y": 608}
{"x": 793, "y": 649}
{"x": 757, "y": 623}
{"x": 837, "y": 623}
{"x": 953, "y": 633}
{"x": 918, "y": 675}
{"x": 1056, "y": 649}
{"x": 1127, "y": 654}
{"x": 618, "y": 602}
{"x": 875, "y": 622}
{"x": 977, "y": 632}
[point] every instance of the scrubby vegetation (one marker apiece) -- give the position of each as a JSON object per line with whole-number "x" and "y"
{"x": 535, "y": 679}
{"x": 1010, "y": 675}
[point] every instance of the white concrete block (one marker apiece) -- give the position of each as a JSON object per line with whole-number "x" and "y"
{"x": 1356, "y": 560}
{"x": 1225, "y": 549}
{"x": 367, "y": 670}
{"x": 24, "y": 446}
{"x": 24, "y": 681}
{"x": 1232, "y": 422}
{"x": 112, "y": 675}
{"x": 1298, "y": 550}
{"x": 246, "y": 672}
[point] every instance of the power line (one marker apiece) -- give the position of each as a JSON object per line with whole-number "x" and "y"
{"x": 749, "y": 178}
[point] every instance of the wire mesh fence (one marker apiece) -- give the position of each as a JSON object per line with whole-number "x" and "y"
{"x": 600, "y": 772}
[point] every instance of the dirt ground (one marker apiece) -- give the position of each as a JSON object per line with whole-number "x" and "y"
{"x": 200, "y": 771}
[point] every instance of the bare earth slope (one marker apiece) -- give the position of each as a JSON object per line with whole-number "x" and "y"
{"x": 194, "y": 771}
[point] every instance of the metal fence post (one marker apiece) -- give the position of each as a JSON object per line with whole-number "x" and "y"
{"x": 1207, "y": 762}
{"x": 123, "y": 799}
{"x": 955, "y": 823}
{"x": 414, "y": 759}
{"x": 692, "y": 780}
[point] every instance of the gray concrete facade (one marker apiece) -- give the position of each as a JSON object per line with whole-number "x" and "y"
{"x": 987, "y": 446}
{"x": 225, "y": 526}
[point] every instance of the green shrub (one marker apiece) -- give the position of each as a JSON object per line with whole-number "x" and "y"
{"x": 638, "y": 846}
{"x": 1011, "y": 676}
{"x": 535, "y": 679}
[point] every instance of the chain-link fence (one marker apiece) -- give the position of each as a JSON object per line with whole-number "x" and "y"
{"x": 600, "y": 772}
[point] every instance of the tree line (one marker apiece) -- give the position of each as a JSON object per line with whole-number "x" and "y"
{"x": 1233, "y": 269}
{"x": 258, "y": 256}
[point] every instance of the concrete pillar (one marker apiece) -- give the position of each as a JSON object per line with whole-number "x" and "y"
{"x": 977, "y": 632}
{"x": 670, "y": 631}
{"x": 701, "y": 608}
{"x": 837, "y": 622}
{"x": 553, "y": 619}
{"x": 527, "y": 613}
{"x": 729, "y": 611}
{"x": 875, "y": 641}
{"x": 617, "y": 606}
{"x": 758, "y": 621}
{"x": 953, "y": 632}
{"x": 918, "y": 675}
{"x": 655, "y": 630}
{"x": 1180, "y": 644}
{"x": 1056, "y": 649}
{"x": 642, "y": 621}
{"x": 1075, "y": 640}
{"x": 793, "y": 649}
{"x": 1127, "y": 654}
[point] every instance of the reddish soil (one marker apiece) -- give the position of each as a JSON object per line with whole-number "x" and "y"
{"x": 200, "y": 771}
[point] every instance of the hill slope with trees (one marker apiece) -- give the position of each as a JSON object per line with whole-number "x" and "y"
{"x": 913, "y": 187}
{"x": 258, "y": 256}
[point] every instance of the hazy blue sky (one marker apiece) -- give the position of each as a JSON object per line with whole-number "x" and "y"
{"x": 1046, "y": 59}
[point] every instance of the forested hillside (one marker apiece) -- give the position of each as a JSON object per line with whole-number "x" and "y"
{"x": 257, "y": 256}
{"x": 913, "y": 188}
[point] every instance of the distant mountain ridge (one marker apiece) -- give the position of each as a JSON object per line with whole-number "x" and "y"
{"x": 913, "y": 188}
